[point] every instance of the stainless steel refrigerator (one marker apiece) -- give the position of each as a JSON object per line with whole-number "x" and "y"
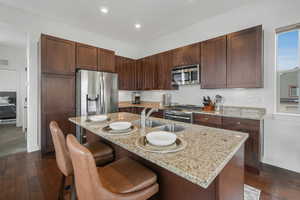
{"x": 96, "y": 93}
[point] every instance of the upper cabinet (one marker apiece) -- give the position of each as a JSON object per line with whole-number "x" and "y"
{"x": 164, "y": 70}
{"x": 106, "y": 60}
{"x": 213, "y": 63}
{"x": 244, "y": 59}
{"x": 126, "y": 69}
{"x": 149, "y": 68}
{"x": 58, "y": 55}
{"x": 186, "y": 55}
{"x": 86, "y": 57}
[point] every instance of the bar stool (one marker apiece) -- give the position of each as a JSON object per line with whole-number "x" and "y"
{"x": 124, "y": 179}
{"x": 101, "y": 152}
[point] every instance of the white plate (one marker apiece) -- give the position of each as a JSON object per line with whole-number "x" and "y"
{"x": 119, "y": 126}
{"x": 97, "y": 118}
{"x": 161, "y": 138}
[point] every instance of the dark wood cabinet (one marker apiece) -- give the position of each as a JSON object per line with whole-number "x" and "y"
{"x": 186, "y": 55}
{"x": 252, "y": 146}
{"x": 164, "y": 70}
{"x": 126, "y": 69}
{"x": 244, "y": 59}
{"x": 213, "y": 63}
{"x": 58, "y": 103}
{"x": 207, "y": 120}
{"x": 57, "y": 55}
{"x": 149, "y": 70}
{"x": 106, "y": 60}
{"x": 86, "y": 57}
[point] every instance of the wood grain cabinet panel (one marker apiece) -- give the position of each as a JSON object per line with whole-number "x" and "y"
{"x": 106, "y": 60}
{"x": 213, "y": 63}
{"x": 58, "y": 103}
{"x": 207, "y": 120}
{"x": 164, "y": 71}
{"x": 186, "y": 55}
{"x": 244, "y": 59}
{"x": 86, "y": 57}
{"x": 252, "y": 145}
{"x": 57, "y": 55}
{"x": 126, "y": 69}
{"x": 149, "y": 71}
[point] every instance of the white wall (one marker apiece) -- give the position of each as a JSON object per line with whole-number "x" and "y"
{"x": 280, "y": 133}
{"x": 12, "y": 78}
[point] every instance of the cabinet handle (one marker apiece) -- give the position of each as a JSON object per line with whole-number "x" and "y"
{"x": 205, "y": 118}
{"x": 238, "y": 123}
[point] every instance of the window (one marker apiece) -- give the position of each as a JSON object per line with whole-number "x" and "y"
{"x": 288, "y": 70}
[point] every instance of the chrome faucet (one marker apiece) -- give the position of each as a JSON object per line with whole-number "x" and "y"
{"x": 144, "y": 116}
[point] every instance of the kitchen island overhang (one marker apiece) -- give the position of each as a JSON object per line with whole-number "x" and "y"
{"x": 212, "y": 159}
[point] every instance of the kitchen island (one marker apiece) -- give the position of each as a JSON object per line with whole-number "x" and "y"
{"x": 211, "y": 167}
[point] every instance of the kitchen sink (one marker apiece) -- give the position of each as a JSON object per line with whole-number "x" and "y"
{"x": 149, "y": 123}
{"x": 172, "y": 128}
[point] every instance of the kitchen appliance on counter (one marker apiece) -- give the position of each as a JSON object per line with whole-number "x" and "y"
{"x": 96, "y": 93}
{"x": 219, "y": 101}
{"x": 186, "y": 75}
{"x": 166, "y": 100}
{"x": 135, "y": 98}
{"x": 181, "y": 113}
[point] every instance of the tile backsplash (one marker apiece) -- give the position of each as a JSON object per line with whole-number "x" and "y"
{"x": 193, "y": 95}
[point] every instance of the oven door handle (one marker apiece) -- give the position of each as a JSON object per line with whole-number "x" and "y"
{"x": 178, "y": 117}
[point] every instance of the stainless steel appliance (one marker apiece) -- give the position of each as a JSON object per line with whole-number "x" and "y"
{"x": 135, "y": 98}
{"x": 186, "y": 75}
{"x": 181, "y": 113}
{"x": 96, "y": 93}
{"x": 166, "y": 99}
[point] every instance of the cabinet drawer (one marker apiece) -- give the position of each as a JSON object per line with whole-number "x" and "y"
{"x": 207, "y": 120}
{"x": 236, "y": 124}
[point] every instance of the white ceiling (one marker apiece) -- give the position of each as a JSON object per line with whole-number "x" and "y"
{"x": 157, "y": 17}
{"x": 12, "y": 37}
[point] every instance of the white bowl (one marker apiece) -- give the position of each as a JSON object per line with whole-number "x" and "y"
{"x": 97, "y": 118}
{"x": 161, "y": 138}
{"x": 119, "y": 126}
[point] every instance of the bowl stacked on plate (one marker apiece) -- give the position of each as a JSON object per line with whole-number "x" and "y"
{"x": 161, "y": 138}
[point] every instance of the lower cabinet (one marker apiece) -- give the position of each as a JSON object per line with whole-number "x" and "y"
{"x": 252, "y": 127}
{"x": 207, "y": 120}
{"x": 252, "y": 146}
{"x": 138, "y": 110}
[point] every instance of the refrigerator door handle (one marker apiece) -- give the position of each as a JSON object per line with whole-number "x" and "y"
{"x": 103, "y": 94}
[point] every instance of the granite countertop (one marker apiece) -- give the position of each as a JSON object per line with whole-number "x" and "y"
{"x": 227, "y": 111}
{"x": 207, "y": 152}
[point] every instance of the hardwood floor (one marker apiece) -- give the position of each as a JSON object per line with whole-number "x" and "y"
{"x": 31, "y": 177}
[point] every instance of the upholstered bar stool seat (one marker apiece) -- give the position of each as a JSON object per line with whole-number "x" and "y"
{"x": 101, "y": 152}
{"x": 124, "y": 179}
{"x": 125, "y": 176}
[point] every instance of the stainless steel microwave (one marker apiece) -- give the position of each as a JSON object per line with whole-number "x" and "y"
{"x": 186, "y": 75}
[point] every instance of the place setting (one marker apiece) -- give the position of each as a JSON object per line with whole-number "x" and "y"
{"x": 161, "y": 142}
{"x": 119, "y": 128}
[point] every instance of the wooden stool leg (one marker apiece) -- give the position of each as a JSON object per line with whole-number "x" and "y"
{"x": 62, "y": 188}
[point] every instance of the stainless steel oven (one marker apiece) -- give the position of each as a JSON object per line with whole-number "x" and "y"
{"x": 186, "y": 75}
{"x": 178, "y": 116}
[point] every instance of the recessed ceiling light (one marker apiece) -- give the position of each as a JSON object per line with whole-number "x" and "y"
{"x": 104, "y": 10}
{"x": 137, "y": 26}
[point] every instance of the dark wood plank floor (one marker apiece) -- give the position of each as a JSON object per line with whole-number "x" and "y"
{"x": 31, "y": 177}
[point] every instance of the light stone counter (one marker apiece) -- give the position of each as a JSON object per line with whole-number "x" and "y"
{"x": 228, "y": 111}
{"x": 207, "y": 152}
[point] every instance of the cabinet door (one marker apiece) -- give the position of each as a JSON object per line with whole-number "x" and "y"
{"x": 213, "y": 63}
{"x": 57, "y": 55}
{"x": 164, "y": 70}
{"x": 207, "y": 120}
{"x": 86, "y": 57}
{"x": 125, "y": 67}
{"x": 244, "y": 59}
{"x": 149, "y": 67}
{"x": 187, "y": 55}
{"x": 139, "y": 74}
{"x": 106, "y": 60}
{"x": 252, "y": 145}
{"x": 58, "y": 103}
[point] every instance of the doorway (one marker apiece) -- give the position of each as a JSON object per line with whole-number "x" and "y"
{"x": 13, "y": 91}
